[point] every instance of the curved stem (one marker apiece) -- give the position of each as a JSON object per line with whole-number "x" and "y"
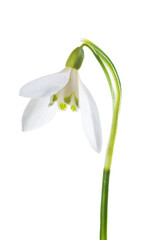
{"x": 104, "y": 69}
{"x": 117, "y": 99}
{"x": 116, "y": 96}
{"x": 105, "y": 59}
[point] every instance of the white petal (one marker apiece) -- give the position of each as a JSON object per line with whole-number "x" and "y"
{"x": 46, "y": 86}
{"x": 37, "y": 113}
{"x": 90, "y": 118}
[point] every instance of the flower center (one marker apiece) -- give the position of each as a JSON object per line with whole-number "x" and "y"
{"x": 68, "y": 96}
{"x": 71, "y": 101}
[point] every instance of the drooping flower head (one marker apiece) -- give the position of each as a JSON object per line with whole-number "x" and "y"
{"x": 60, "y": 91}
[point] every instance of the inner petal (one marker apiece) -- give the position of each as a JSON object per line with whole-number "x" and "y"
{"x": 69, "y": 95}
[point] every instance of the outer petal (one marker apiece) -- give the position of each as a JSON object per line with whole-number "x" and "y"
{"x": 90, "y": 118}
{"x": 46, "y": 86}
{"x": 37, "y": 113}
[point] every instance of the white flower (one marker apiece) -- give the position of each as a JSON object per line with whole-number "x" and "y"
{"x": 61, "y": 89}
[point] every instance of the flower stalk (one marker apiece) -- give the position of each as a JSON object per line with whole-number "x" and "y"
{"x": 105, "y": 62}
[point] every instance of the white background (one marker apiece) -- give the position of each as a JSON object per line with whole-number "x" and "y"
{"x": 50, "y": 179}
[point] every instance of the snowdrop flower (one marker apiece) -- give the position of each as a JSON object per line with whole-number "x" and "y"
{"x": 60, "y": 91}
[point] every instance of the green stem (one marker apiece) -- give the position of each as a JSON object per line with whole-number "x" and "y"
{"x": 104, "y": 69}
{"x": 104, "y": 205}
{"x": 116, "y": 105}
{"x": 106, "y": 59}
{"x": 116, "y": 79}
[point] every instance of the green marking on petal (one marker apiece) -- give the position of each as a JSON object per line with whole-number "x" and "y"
{"x": 76, "y": 101}
{"x": 67, "y": 99}
{"x": 62, "y": 106}
{"x": 73, "y": 108}
{"x": 50, "y": 104}
{"x": 54, "y": 98}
